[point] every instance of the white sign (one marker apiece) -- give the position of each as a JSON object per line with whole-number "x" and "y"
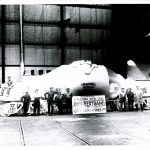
{"x": 146, "y": 101}
{"x": 7, "y": 109}
{"x": 12, "y": 108}
{"x": 88, "y": 104}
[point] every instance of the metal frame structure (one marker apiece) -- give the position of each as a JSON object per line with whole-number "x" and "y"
{"x": 3, "y": 41}
{"x": 63, "y": 24}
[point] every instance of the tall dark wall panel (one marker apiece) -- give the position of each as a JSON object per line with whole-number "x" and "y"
{"x": 95, "y": 37}
{"x": 41, "y": 13}
{"x": 0, "y": 55}
{"x": 106, "y": 40}
{"x": 94, "y": 16}
{"x": 41, "y": 34}
{"x": 72, "y": 36}
{"x": 12, "y": 55}
{"x": 32, "y": 54}
{"x": 12, "y": 33}
{"x": 73, "y": 13}
{"x": 100, "y": 56}
{"x": 95, "y": 55}
{"x": 38, "y": 55}
{"x": 86, "y": 54}
{"x": 0, "y": 33}
{"x": 86, "y": 36}
{"x": 52, "y": 55}
{"x": 85, "y": 16}
{"x": 104, "y": 17}
{"x": 12, "y": 12}
{"x": 77, "y": 53}
{"x": 72, "y": 54}
{"x": 0, "y": 12}
{"x": 93, "y": 31}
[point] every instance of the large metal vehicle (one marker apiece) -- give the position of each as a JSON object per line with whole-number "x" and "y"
{"x": 82, "y": 77}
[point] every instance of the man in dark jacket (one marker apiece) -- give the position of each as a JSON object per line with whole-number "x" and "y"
{"x": 130, "y": 96}
{"x": 36, "y": 103}
{"x": 122, "y": 99}
{"x": 50, "y": 96}
{"x": 26, "y": 101}
{"x": 58, "y": 100}
{"x": 68, "y": 97}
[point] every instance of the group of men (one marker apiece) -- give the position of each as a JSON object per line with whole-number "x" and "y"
{"x": 128, "y": 99}
{"x": 54, "y": 98}
{"x": 132, "y": 99}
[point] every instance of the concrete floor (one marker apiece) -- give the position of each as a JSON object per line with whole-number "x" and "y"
{"x": 112, "y": 128}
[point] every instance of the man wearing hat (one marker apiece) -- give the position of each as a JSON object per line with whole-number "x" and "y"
{"x": 36, "y": 103}
{"x": 68, "y": 97}
{"x": 49, "y": 97}
{"x": 26, "y": 101}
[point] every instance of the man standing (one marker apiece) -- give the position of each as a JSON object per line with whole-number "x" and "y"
{"x": 26, "y": 101}
{"x": 130, "y": 96}
{"x": 68, "y": 96}
{"x": 50, "y": 96}
{"x": 138, "y": 99}
{"x": 58, "y": 100}
{"x": 122, "y": 99}
{"x": 36, "y": 103}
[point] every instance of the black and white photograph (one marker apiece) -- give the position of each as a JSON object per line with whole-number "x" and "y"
{"x": 74, "y": 74}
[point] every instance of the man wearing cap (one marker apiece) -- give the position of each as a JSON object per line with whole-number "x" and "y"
{"x": 122, "y": 99}
{"x": 68, "y": 97}
{"x": 49, "y": 97}
{"x": 26, "y": 101}
{"x": 130, "y": 96}
{"x": 36, "y": 103}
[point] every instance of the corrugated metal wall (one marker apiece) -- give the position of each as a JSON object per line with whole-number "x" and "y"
{"x": 86, "y": 33}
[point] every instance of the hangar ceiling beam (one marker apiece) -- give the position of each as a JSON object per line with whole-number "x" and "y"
{"x": 99, "y": 6}
{"x": 66, "y": 24}
{"x": 56, "y": 44}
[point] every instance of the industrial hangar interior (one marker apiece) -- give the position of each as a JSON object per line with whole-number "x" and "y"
{"x": 44, "y": 37}
{"x": 38, "y": 40}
